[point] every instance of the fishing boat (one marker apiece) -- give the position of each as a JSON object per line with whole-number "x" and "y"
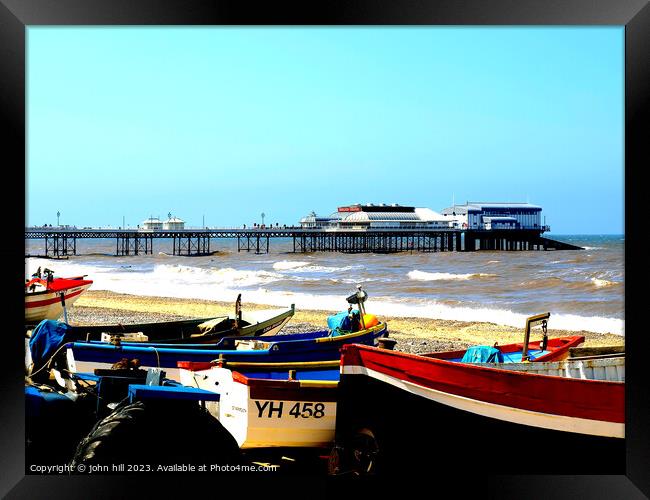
{"x": 46, "y": 297}
{"x": 265, "y": 323}
{"x": 539, "y": 351}
{"x": 310, "y": 346}
{"x": 353, "y": 326}
{"x": 126, "y": 413}
{"x": 394, "y": 407}
{"x": 255, "y": 407}
{"x": 271, "y": 405}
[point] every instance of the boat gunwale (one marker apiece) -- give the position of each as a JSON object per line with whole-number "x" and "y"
{"x": 471, "y": 366}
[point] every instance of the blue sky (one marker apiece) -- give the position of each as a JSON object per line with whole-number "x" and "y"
{"x": 230, "y": 122}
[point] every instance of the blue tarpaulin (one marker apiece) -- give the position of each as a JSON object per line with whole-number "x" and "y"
{"x": 341, "y": 322}
{"x": 482, "y": 354}
{"x": 46, "y": 338}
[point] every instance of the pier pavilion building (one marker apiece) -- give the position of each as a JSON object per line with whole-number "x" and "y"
{"x": 152, "y": 224}
{"x": 173, "y": 224}
{"x": 371, "y": 216}
{"x": 489, "y": 216}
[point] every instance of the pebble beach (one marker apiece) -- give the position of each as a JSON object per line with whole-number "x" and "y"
{"x": 413, "y": 335}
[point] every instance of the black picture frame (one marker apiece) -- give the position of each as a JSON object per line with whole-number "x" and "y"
{"x": 17, "y": 15}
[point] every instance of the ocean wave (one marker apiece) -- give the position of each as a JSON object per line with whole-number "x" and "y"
{"x": 425, "y": 276}
{"x": 386, "y": 306}
{"x": 550, "y": 282}
{"x": 223, "y": 284}
{"x": 285, "y": 265}
{"x": 327, "y": 269}
{"x": 65, "y": 268}
{"x": 601, "y": 283}
{"x": 557, "y": 283}
{"x": 227, "y": 277}
{"x": 306, "y": 267}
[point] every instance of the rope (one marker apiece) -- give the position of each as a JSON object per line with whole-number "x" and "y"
{"x": 157, "y": 355}
{"x": 49, "y": 361}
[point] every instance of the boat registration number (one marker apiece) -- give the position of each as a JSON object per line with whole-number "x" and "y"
{"x": 275, "y": 409}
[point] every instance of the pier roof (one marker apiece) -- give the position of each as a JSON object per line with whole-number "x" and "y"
{"x": 478, "y": 206}
{"x": 489, "y": 204}
{"x": 417, "y": 214}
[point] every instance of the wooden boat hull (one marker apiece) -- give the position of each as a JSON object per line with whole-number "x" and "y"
{"x": 314, "y": 346}
{"x": 193, "y": 331}
{"x": 47, "y": 304}
{"x": 271, "y": 412}
{"x": 471, "y": 417}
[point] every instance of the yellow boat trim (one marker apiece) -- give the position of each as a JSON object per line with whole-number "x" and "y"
{"x": 318, "y": 383}
{"x": 377, "y": 328}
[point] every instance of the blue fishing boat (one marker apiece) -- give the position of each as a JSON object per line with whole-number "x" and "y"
{"x": 353, "y": 326}
{"x": 311, "y": 346}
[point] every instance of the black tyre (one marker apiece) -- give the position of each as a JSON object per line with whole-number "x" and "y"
{"x": 359, "y": 455}
{"x": 364, "y": 451}
{"x": 148, "y": 435}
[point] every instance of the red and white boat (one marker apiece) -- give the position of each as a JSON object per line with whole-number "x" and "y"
{"x": 539, "y": 351}
{"x": 46, "y": 298}
{"x": 404, "y": 412}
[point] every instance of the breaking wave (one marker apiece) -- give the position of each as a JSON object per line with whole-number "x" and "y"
{"x": 285, "y": 265}
{"x": 600, "y": 283}
{"x": 424, "y": 276}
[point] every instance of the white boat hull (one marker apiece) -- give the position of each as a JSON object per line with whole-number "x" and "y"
{"x": 48, "y": 305}
{"x": 258, "y": 416}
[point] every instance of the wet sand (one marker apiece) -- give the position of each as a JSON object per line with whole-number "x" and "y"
{"x": 416, "y": 335}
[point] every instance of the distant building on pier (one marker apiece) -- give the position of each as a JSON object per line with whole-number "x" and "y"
{"x": 481, "y": 215}
{"x": 152, "y": 224}
{"x": 173, "y": 224}
{"x": 381, "y": 216}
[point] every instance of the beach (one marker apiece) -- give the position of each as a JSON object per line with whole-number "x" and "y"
{"x": 414, "y": 335}
{"x": 582, "y": 289}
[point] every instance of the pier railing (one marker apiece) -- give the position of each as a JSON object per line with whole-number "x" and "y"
{"x": 63, "y": 242}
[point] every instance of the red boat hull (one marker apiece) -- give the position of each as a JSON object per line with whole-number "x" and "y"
{"x": 46, "y": 304}
{"x": 466, "y": 416}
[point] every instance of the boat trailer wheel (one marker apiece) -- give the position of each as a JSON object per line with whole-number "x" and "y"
{"x": 363, "y": 452}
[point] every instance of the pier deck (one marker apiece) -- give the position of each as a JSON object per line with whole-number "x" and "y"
{"x": 192, "y": 242}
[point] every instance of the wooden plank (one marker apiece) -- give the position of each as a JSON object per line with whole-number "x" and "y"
{"x": 575, "y": 352}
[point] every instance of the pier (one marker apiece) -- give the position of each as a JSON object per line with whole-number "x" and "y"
{"x": 60, "y": 243}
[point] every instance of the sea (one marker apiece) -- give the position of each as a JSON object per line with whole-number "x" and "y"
{"x": 582, "y": 289}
